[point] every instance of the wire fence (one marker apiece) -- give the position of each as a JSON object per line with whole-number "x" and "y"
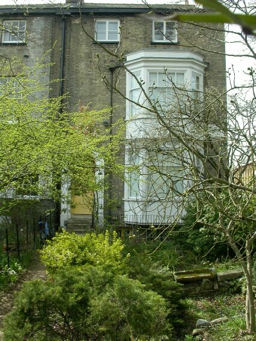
{"x": 141, "y": 231}
{"x": 17, "y": 239}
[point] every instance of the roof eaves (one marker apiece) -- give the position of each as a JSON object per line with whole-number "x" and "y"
{"x": 60, "y": 9}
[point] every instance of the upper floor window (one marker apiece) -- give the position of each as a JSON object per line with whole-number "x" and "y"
{"x": 107, "y": 30}
{"x": 135, "y": 94}
{"x": 164, "y": 88}
{"x": 14, "y": 31}
{"x": 164, "y": 32}
{"x": 170, "y": 82}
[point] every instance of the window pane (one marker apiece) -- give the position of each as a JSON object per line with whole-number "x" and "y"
{"x": 20, "y": 36}
{"x": 22, "y": 25}
{"x": 164, "y": 178}
{"x": 158, "y": 30}
{"x": 180, "y": 79}
{"x": 134, "y": 184}
{"x": 162, "y": 79}
{"x": 100, "y": 30}
{"x": 195, "y": 81}
{"x": 113, "y": 36}
{"x": 134, "y": 82}
{"x": 135, "y": 96}
{"x": 170, "y": 33}
{"x": 113, "y": 26}
{"x": 134, "y": 176}
{"x": 14, "y": 31}
{"x": 153, "y": 78}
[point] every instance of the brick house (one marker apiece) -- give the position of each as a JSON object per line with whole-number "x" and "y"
{"x": 78, "y": 37}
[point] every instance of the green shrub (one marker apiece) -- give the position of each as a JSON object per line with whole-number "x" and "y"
{"x": 199, "y": 238}
{"x": 165, "y": 253}
{"x": 67, "y": 249}
{"x": 88, "y": 305}
{"x": 157, "y": 277}
{"x": 127, "y": 310}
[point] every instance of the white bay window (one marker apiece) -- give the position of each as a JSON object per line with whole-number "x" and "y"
{"x": 158, "y": 83}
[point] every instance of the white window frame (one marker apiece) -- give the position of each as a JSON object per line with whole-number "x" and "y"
{"x": 168, "y": 86}
{"x": 133, "y": 159}
{"x": 108, "y": 21}
{"x": 7, "y": 34}
{"x": 144, "y": 209}
{"x": 164, "y": 33}
{"x": 163, "y": 176}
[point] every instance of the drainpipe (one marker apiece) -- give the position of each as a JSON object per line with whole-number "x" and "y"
{"x": 62, "y": 59}
{"x": 61, "y": 93}
{"x": 110, "y": 189}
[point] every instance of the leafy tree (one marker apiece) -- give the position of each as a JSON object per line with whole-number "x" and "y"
{"x": 41, "y": 144}
{"x": 222, "y": 15}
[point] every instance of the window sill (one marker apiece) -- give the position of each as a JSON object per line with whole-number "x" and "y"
{"x": 106, "y": 42}
{"x": 164, "y": 42}
{"x": 133, "y": 199}
{"x": 12, "y": 44}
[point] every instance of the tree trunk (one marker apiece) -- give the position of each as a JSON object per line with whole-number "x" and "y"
{"x": 247, "y": 265}
{"x": 250, "y": 310}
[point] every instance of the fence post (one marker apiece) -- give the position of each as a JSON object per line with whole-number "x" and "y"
{"x": 50, "y": 224}
{"x": 7, "y": 247}
{"x": 27, "y": 233}
{"x": 34, "y": 233}
{"x": 18, "y": 241}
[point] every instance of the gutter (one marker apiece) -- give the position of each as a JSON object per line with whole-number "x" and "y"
{"x": 75, "y": 10}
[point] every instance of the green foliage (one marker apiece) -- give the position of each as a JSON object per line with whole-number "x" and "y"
{"x": 67, "y": 249}
{"x": 148, "y": 267}
{"x": 223, "y": 15}
{"x": 98, "y": 290}
{"x": 201, "y": 239}
{"x": 209, "y": 214}
{"x": 83, "y": 305}
{"x": 128, "y": 310}
{"x": 165, "y": 253}
{"x": 9, "y": 274}
{"x": 37, "y": 141}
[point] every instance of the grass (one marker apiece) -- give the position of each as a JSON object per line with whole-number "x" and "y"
{"x": 231, "y": 306}
{"x": 9, "y": 275}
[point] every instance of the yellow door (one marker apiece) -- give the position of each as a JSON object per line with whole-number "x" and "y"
{"x": 82, "y": 204}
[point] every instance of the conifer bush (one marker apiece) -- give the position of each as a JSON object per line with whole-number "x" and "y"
{"x": 96, "y": 291}
{"x": 86, "y": 305}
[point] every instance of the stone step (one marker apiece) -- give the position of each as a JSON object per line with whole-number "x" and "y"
{"x": 79, "y": 224}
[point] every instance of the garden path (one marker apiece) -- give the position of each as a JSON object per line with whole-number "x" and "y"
{"x": 36, "y": 270}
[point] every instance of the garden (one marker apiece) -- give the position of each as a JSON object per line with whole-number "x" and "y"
{"x": 99, "y": 287}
